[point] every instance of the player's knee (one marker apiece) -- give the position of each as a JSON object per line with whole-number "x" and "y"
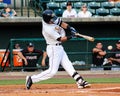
{"x": 52, "y": 73}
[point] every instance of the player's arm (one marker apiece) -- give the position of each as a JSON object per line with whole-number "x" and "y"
{"x": 95, "y": 50}
{"x": 22, "y": 57}
{"x": 114, "y": 59}
{"x": 65, "y": 38}
{"x": 64, "y": 25}
{"x": 99, "y": 51}
{"x": 70, "y": 29}
{"x": 44, "y": 58}
{"x": 14, "y": 12}
{"x": 102, "y": 53}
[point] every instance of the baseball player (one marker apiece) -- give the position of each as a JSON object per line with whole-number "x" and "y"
{"x": 54, "y": 36}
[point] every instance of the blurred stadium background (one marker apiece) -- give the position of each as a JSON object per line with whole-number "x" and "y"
{"x": 26, "y": 27}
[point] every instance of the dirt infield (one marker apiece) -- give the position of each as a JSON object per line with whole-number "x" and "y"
{"x": 60, "y": 90}
{"x": 109, "y": 89}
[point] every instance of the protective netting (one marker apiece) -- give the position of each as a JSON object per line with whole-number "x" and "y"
{"x": 78, "y": 49}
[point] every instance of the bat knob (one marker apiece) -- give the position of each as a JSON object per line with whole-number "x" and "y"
{"x": 93, "y": 39}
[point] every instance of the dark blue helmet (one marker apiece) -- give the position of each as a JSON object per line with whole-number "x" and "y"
{"x": 48, "y": 15}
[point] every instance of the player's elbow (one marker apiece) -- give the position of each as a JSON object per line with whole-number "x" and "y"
{"x": 62, "y": 39}
{"x": 102, "y": 53}
{"x": 45, "y": 54}
{"x": 19, "y": 53}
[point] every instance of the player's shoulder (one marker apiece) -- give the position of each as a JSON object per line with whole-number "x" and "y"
{"x": 24, "y": 51}
{"x": 49, "y": 26}
{"x": 65, "y": 11}
{"x": 37, "y": 50}
{"x": 73, "y": 10}
{"x": 88, "y": 12}
{"x": 80, "y": 12}
{"x": 52, "y": 26}
{"x": 115, "y": 50}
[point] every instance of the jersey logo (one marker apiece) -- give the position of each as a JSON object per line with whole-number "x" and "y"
{"x": 57, "y": 28}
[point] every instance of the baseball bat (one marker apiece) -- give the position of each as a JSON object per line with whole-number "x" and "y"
{"x": 89, "y": 38}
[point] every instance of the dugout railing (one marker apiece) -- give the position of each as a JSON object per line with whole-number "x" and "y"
{"x": 27, "y": 7}
{"x": 79, "y": 51}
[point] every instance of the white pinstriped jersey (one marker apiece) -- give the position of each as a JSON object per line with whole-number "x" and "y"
{"x": 58, "y": 21}
{"x": 52, "y": 32}
{"x": 71, "y": 14}
{"x": 84, "y": 14}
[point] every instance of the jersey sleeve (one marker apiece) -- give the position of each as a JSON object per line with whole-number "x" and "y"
{"x": 90, "y": 14}
{"x": 58, "y": 21}
{"x": 74, "y": 12}
{"x": 39, "y": 51}
{"x": 24, "y": 51}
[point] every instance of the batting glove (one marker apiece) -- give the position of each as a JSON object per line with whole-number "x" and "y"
{"x": 73, "y": 31}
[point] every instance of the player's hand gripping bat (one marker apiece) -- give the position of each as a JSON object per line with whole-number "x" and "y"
{"x": 89, "y": 38}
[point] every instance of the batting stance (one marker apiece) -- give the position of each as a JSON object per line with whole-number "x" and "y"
{"x": 54, "y": 36}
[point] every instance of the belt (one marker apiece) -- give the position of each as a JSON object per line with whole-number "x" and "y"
{"x": 57, "y": 44}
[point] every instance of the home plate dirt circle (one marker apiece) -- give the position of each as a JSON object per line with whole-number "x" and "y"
{"x": 61, "y": 90}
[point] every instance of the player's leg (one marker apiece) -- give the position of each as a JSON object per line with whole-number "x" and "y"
{"x": 49, "y": 73}
{"x": 54, "y": 61}
{"x": 67, "y": 65}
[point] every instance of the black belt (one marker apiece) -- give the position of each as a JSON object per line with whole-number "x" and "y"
{"x": 57, "y": 44}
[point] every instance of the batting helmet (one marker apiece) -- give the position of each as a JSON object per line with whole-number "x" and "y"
{"x": 48, "y": 15}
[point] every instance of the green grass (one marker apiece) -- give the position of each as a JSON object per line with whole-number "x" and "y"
{"x": 62, "y": 81}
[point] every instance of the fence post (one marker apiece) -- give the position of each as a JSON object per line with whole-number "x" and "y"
{"x": 14, "y": 4}
{"x": 0, "y": 68}
{"x": 11, "y": 54}
{"x": 28, "y": 8}
{"x": 21, "y": 7}
{"x": 87, "y": 51}
{"x": 6, "y": 51}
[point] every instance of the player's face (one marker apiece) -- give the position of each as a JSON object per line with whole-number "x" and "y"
{"x": 84, "y": 8}
{"x": 118, "y": 46}
{"x": 69, "y": 7}
{"x": 30, "y": 49}
{"x": 7, "y": 9}
{"x": 99, "y": 45}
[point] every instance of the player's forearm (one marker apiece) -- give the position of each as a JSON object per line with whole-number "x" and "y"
{"x": 68, "y": 27}
{"x": 43, "y": 59}
{"x": 5, "y": 15}
{"x": 102, "y": 53}
{"x": 114, "y": 59}
{"x": 118, "y": 60}
{"x": 63, "y": 39}
{"x": 44, "y": 56}
{"x": 97, "y": 50}
{"x": 21, "y": 56}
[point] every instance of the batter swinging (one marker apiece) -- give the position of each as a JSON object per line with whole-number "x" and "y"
{"x": 54, "y": 36}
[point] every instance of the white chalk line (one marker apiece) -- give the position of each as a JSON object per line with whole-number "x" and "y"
{"x": 101, "y": 90}
{"x": 108, "y": 88}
